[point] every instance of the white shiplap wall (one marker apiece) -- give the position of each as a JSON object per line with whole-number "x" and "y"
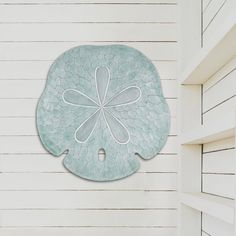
{"x": 218, "y": 159}
{"x": 38, "y": 196}
{"x": 219, "y": 99}
{"x": 215, "y": 227}
{"x": 207, "y": 110}
{"x": 214, "y": 13}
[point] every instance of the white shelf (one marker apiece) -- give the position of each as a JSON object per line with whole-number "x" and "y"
{"x": 213, "y": 57}
{"x": 220, "y": 129}
{"x": 218, "y": 207}
{"x": 198, "y": 65}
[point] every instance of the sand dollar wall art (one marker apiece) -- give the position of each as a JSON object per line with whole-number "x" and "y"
{"x": 103, "y": 97}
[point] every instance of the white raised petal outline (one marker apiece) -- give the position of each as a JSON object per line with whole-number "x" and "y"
{"x": 124, "y": 103}
{"x": 114, "y": 131}
{"x": 84, "y": 95}
{"x": 116, "y": 128}
{"x": 102, "y": 97}
{"x": 98, "y": 111}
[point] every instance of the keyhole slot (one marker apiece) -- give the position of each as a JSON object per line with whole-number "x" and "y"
{"x": 101, "y": 154}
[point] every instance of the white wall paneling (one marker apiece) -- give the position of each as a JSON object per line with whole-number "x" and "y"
{"x": 219, "y": 93}
{"x": 210, "y": 11}
{"x": 189, "y": 15}
{"x": 218, "y": 173}
{"x": 88, "y": 13}
{"x": 215, "y": 16}
{"x": 45, "y": 2}
{"x": 38, "y": 51}
{"x": 88, "y": 231}
{"x": 66, "y": 181}
{"x": 33, "y": 88}
{"x": 38, "y": 195}
{"x": 207, "y": 200}
{"x": 217, "y": 44}
{"x": 111, "y": 32}
{"x": 218, "y": 170}
{"x": 38, "y": 69}
{"x": 213, "y": 226}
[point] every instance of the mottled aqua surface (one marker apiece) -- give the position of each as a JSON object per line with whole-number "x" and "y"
{"x": 136, "y": 122}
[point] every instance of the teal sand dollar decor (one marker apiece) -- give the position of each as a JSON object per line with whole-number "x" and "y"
{"x": 103, "y": 98}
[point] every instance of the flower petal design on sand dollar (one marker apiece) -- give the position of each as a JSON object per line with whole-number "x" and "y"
{"x": 118, "y": 130}
{"x": 102, "y": 77}
{"x": 84, "y": 131}
{"x": 77, "y": 98}
{"x": 127, "y": 96}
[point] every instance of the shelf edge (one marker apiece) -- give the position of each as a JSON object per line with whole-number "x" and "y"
{"x": 215, "y": 206}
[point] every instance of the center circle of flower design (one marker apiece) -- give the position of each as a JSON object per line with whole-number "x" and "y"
{"x": 127, "y": 96}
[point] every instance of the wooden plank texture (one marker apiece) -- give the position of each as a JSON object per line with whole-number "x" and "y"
{"x": 39, "y": 196}
{"x": 219, "y": 184}
{"x": 39, "y": 50}
{"x": 67, "y": 181}
{"x": 73, "y": 2}
{"x": 38, "y": 69}
{"x": 88, "y": 13}
{"x": 215, "y": 227}
{"x": 218, "y": 14}
{"x": 87, "y": 200}
{"x": 211, "y": 11}
{"x": 219, "y": 162}
{"x": 83, "y": 218}
{"x": 222, "y": 91}
{"x": 87, "y": 32}
{"x": 88, "y": 231}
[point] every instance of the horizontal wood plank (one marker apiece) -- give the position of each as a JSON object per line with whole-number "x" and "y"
{"x": 90, "y": 218}
{"x": 17, "y": 2}
{"x": 39, "y": 69}
{"x": 87, "y": 32}
{"x": 220, "y": 92}
{"x": 215, "y": 227}
{"x": 89, "y": 231}
{"x": 68, "y": 181}
{"x": 219, "y": 184}
{"x": 219, "y": 162}
{"x": 218, "y": 112}
{"x": 87, "y": 200}
{"x": 39, "y": 50}
{"x": 88, "y": 13}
